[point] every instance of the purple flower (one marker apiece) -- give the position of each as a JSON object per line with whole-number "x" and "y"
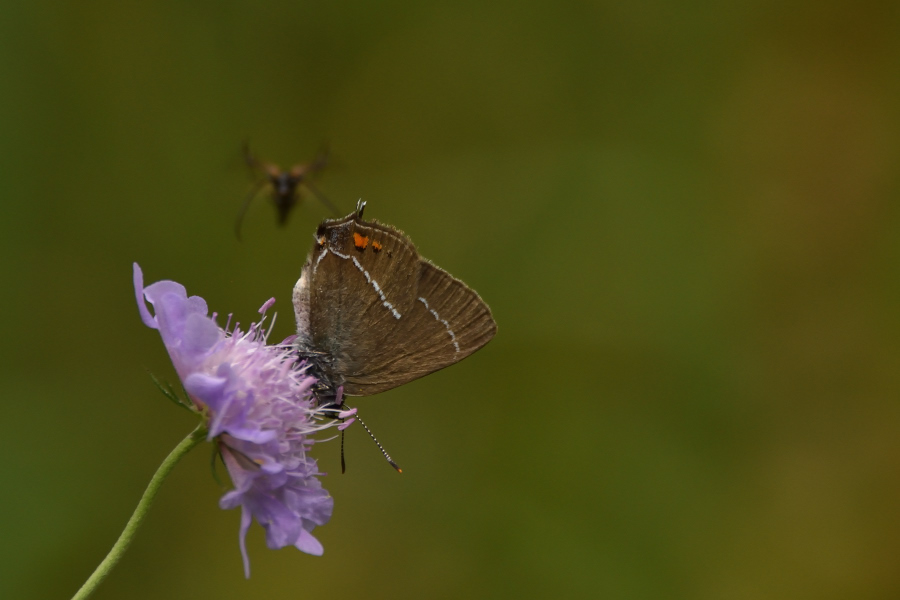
{"x": 260, "y": 409}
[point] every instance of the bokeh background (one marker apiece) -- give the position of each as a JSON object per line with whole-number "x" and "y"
{"x": 683, "y": 215}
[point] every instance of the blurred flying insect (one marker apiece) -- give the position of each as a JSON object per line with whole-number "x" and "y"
{"x": 284, "y": 186}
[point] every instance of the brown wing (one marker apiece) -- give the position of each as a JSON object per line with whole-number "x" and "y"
{"x": 447, "y": 323}
{"x": 358, "y": 280}
{"x": 384, "y": 315}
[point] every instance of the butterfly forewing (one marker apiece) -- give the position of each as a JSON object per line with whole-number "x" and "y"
{"x": 348, "y": 308}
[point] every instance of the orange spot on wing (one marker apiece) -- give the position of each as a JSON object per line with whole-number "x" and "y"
{"x": 322, "y": 241}
{"x": 360, "y": 241}
{"x": 376, "y": 246}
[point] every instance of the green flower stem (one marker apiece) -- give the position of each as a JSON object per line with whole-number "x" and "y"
{"x": 121, "y": 545}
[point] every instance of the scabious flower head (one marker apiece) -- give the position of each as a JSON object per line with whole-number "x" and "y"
{"x": 260, "y": 409}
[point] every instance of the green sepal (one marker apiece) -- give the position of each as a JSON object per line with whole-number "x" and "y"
{"x": 169, "y": 393}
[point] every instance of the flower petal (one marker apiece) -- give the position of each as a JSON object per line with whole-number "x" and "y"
{"x": 309, "y": 544}
{"x": 246, "y": 520}
{"x": 206, "y": 387}
{"x": 201, "y": 334}
{"x": 146, "y": 317}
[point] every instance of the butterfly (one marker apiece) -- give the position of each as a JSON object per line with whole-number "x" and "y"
{"x": 372, "y": 314}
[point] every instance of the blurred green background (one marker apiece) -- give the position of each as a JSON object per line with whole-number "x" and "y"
{"x": 683, "y": 215}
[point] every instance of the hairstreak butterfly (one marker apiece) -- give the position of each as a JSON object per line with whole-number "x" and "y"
{"x": 372, "y": 314}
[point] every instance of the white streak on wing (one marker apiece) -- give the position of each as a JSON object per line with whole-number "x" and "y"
{"x": 374, "y": 283}
{"x": 444, "y": 321}
{"x": 318, "y": 260}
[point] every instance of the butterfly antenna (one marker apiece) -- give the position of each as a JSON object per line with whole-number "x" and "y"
{"x": 380, "y": 447}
